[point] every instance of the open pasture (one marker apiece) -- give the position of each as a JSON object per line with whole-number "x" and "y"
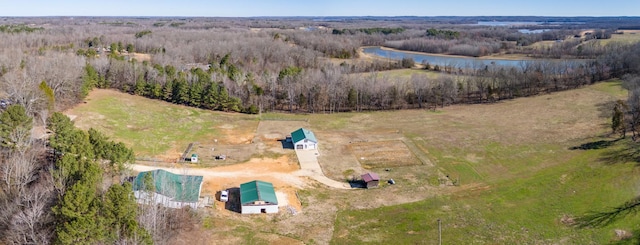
{"x": 519, "y": 178}
{"x": 157, "y": 129}
{"x": 383, "y": 154}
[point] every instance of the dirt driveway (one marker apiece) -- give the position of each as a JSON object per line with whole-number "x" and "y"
{"x": 309, "y": 166}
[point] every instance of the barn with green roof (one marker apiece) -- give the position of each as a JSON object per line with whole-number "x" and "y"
{"x": 166, "y": 188}
{"x": 304, "y": 139}
{"x": 258, "y": 197}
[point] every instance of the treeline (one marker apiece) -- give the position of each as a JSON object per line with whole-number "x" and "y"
{"x": 19, "y": 29}
{"x": 466, "y": 47}
{"x": 445, "y": 34}
{"x": 369, "y": 31}
{"x": 237, "y": 69}
{"x": 194, "y": 87}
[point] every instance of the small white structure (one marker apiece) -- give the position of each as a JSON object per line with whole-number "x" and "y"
{"x": 194, "y": 157}
{"x": 304, "y": 139}
{"x": 258, "y": 197}
{"x": 168, "y": 189}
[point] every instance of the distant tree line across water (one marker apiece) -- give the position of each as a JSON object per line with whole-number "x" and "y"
{"x": 213, "y": 65}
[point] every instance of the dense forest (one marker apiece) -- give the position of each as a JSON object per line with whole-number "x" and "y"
{"x": 71, "y": 187}
{"x": 255, "y": 65}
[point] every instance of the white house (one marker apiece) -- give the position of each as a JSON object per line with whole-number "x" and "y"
{"x": 169, "y": 189}
{"x": 258, "y": 197}
{"x": 304, "y": 139}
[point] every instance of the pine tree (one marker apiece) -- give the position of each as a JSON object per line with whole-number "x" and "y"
{"x": 15, "y": 126}
{"x": 77, "y": 212}
{"x": 119, "y": 212}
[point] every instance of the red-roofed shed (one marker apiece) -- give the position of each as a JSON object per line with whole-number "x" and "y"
{"x": 371, "y": 180}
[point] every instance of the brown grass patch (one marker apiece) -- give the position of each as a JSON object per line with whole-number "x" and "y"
{"x": 383, "y": 154}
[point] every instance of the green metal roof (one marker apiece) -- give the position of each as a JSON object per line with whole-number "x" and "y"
{"x": 182, "y": 188}
{"x": 301, "y": 134}
{"x": 257, "y": 191}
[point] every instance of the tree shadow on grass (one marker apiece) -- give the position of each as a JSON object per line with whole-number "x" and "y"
{"x": 600, "y": 144}
{"x": 605, "y": 109}
{"x": 598, "y": 219}
{"x": 604, "y": 218}
{"x": 626, "y": 154}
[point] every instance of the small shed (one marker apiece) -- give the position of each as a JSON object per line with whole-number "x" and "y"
{"x": 166, "y": 188}
{"x": 372, "y": 180}
{"x": 304, "y": 139}
{"x": 194, "y": 157}
{"x": 258, "y": 197}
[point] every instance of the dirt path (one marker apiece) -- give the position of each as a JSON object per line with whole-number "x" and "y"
{"x": 310, "y": 167}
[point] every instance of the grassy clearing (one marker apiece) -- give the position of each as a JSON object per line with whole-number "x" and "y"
{"x": 155, "y": 128}
{"x": 509, "y": 211}
{"x": 519, "y": 176}
{"x": 383, "y": 154}
{"x": 628, "y": 37}
{"x": 402, "y": 74}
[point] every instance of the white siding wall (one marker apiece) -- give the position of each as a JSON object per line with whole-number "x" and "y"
{"x": 309, "y": 145}
{"x": 270, "y": 209}
{"x": 144, "y": 198}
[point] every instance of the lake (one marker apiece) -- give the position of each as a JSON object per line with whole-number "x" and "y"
{"x": 508, "y": 23}
{"x": 456, "y": 61}
{"x": 529, "y": 31}
{"x": 439, "y": 59}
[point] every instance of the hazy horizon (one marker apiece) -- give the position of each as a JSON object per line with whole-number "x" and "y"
{"x": 328, "y": 8}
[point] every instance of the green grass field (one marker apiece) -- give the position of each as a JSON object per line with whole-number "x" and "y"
{"x": 403, "y": 74}
{"x": 526, "y": 208}
{"x": 629, "y": 38}
{"x": 515, "y": 190}
{"x": 520, "y": 179}
{"x": 154, "y": 128}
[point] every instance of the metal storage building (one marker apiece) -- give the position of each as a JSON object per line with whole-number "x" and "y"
{"x": 169, "y": 189}
{"x": 258, "y": 197}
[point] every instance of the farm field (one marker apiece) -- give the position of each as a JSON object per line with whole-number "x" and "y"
{"x": 627, "y": 36}
{"x": 519, "y": 180}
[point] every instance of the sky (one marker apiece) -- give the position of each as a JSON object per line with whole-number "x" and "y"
{"x": 249, "y": 8}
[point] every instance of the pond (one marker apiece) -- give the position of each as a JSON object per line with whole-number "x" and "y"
{"x": 508, "y": 23}
{"x": 534, "y": 31}
{"x": 455, "y": 61}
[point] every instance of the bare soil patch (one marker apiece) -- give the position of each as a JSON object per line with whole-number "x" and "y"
{"x": 140, "y": 56}
{"x": 383, "y": 154}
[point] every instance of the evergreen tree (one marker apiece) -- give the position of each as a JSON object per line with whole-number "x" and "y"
{"x": 119, "y": 212}
{"x": 167, "y": 91}
{"x": 180, "y": 91}
{"x": 49, "y": 94}
{"x": 139, "y": 86}
{"x": 89, "y": 80}
{"x": 196, "y": 92}
{"x": 210, "y": 98}
{"x": 59, "y": 123}
{"x": 77, "y": 212}
{"x": 15, "y": 126}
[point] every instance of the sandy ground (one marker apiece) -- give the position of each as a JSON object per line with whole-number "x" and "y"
{"x": 277, "y": 171}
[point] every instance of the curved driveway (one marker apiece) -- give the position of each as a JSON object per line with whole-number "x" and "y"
{"x": 309, "y": 167}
